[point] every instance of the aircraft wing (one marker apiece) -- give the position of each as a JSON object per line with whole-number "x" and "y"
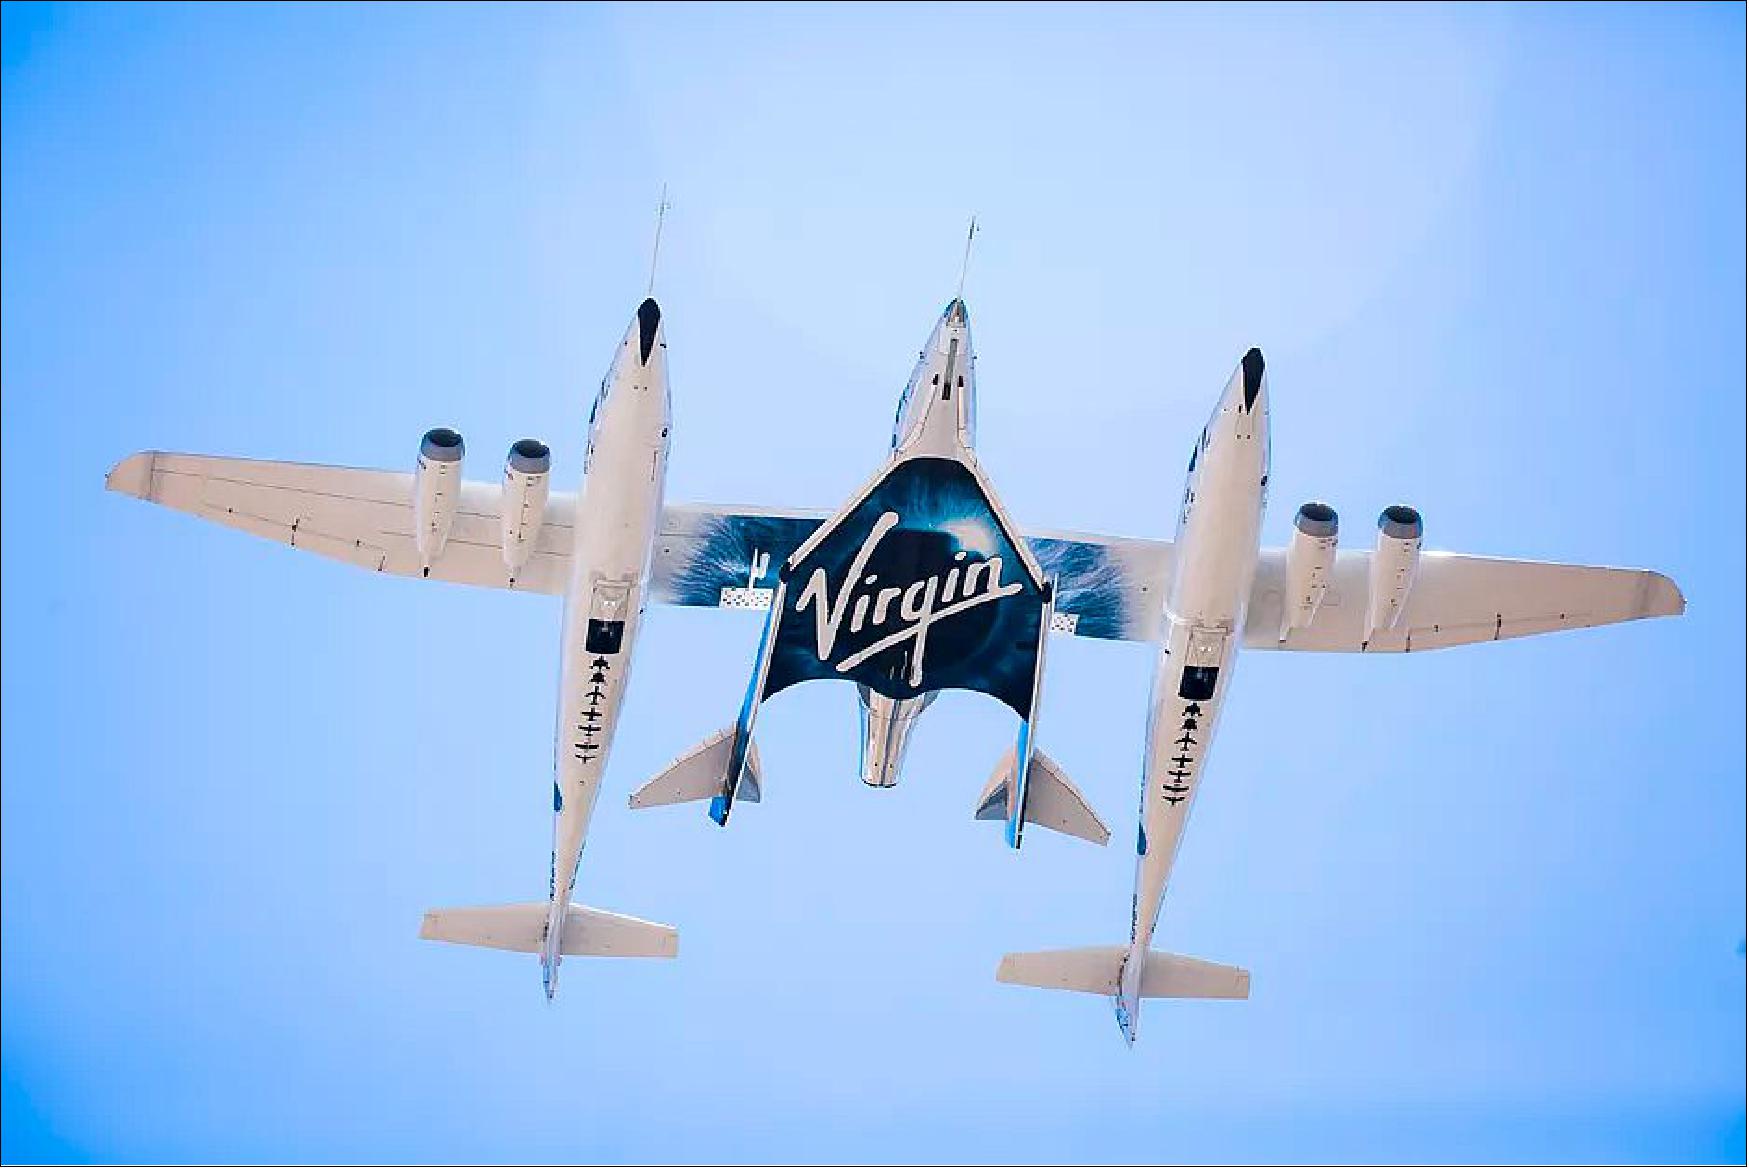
{"x": 1108, "y": 587}
{"x": 715, "y": 555}
{"x": 1456, "y": 600}
{"x": 362, "y": 517}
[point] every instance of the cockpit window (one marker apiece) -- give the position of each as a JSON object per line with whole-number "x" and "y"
{"x": 594, "y": 417}
{"x": 600, "y": 397}
{"x": 899, "y": 414}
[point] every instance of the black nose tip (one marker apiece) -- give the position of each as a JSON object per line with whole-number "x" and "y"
{"x": 649, "y": 316}
{"x": 1252, "y": 366}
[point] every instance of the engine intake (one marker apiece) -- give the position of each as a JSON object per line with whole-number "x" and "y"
{"x": 1393, "y": 568}
{"x": 1400, "y": 522}
{"x": 527, "y": 471}
{"x": 1311, "y": 558}
{"x": 437, "y": 489}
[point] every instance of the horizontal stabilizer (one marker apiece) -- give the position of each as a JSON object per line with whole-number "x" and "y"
{"x": 1098, "y": 969}
{"x": 700, "y": 774}
{"x": 1051, "y": 800}
{"x": 592, "y": 932}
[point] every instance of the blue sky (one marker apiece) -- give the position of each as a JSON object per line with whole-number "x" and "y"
{"x": 1492, "y": 899}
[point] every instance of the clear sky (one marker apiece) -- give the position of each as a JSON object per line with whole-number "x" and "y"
{"x": 1492, "y": 899}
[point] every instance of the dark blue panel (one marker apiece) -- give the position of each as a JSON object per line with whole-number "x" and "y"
{"x": 727, "y": 549}
{"x": 917, "y": 589}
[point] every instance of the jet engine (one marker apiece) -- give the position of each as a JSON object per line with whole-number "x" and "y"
{"x": 1393, "y": 568}
{"x": 1311, "y": 558}
{"x": 437, "y": 489}
{"x": 524, "y": 501}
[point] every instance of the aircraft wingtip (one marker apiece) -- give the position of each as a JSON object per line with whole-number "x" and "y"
{"x": 132, "y": 476}
{"x": 1663, "y": 597}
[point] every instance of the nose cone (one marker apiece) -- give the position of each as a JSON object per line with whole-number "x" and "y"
{"x": 649, "y": 328}
{"x": 1242, "y": 413}
{"x": 1244, "y": 403}
{"x": 955, "y": 324}
{"x": 937, "y": 413}
{"x": 1251, "y": 377}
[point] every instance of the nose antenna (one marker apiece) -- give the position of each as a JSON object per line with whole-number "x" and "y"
{"x": 656, "y": 249}
{"x": 966, "y": 259}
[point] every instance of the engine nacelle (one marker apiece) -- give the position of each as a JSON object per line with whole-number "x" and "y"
{"x": 437, "y": 490}
{"x": 527, "y": 470}
{"x": 1393, "y": 568}
{"x": 1311, "y": 558}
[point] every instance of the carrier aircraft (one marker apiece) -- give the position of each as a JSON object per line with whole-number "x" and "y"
{"x": 593, "y": 549}
{"x": 1223, "y": 593}
{"x": 920, "y": 582}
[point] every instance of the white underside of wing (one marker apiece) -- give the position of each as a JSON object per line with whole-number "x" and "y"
{"x": 1458, "y": 600}
{"x": 722, "y": 556}
{"x": 363, "y": 517}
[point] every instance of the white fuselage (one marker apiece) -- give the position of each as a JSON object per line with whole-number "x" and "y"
{"x": 937, "y": 415}
{"x": 618, "y": 512}
{"x": 1215, "y": 558}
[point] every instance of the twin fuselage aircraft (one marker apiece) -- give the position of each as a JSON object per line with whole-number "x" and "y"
{"x": 919, "y": 583}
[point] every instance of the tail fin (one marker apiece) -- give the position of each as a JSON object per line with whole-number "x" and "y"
{"x": 1100, "y": 970}
{"x": 593, "y": 932}
{"x": 1051, "y": 800}
{"x": 699, "y": 775}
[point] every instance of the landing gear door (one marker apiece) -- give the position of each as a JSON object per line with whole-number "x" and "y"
{"x": 1203, "y": 655}
{"x": 607, "y": 616}
{"x": 1207, "y": 647}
